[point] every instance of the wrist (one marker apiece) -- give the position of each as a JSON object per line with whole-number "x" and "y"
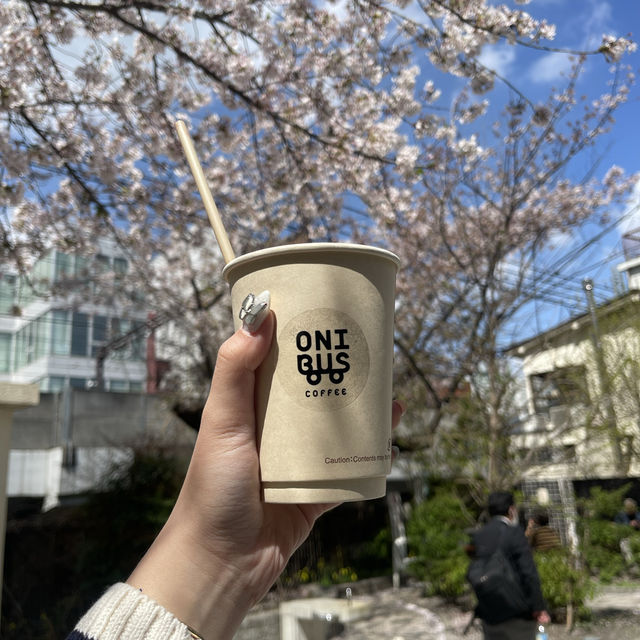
{"x": 199, "y": 589}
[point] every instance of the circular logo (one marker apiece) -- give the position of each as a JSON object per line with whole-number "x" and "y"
{"x": 323, "y": 359}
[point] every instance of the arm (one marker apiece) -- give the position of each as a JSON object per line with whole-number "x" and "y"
{"x": 222, "y": 547}
{"x": 526, "y": 568}
{"x": 530, "y": 531}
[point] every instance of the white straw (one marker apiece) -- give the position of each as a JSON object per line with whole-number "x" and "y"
{"x": 205, "y": 193}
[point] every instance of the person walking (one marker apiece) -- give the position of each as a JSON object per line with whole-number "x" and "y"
{"x": 500, "y": 622}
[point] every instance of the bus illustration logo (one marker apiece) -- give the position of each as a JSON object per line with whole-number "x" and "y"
{"x": 323, "y": 359}
{"x": 331, "y": 355}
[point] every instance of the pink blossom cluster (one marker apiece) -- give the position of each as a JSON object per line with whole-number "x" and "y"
{"x": 313, "y": 121}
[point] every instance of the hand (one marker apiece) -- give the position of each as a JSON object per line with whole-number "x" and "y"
{"x": 542, "y": 617}
{"x": 222, "y": 547}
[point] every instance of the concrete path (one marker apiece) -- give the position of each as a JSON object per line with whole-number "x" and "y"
{"x": 406, "y": 614}
{"x": 615, "y": 598}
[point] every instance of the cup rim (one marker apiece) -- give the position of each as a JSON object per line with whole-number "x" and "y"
{"x": 311, "y": 247}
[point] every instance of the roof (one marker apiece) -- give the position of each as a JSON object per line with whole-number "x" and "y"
{"x": 519, "y": 349}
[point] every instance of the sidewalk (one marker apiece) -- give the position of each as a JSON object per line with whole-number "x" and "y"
{"x": 406, "y": 614}
{"x": 615, "y": 598}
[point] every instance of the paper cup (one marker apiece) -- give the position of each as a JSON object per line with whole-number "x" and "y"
{"x": 324, "y": 393}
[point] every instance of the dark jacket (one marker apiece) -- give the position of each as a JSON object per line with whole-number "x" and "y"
{"x": 517, "y": 550}
{"x": 625, "y": 518}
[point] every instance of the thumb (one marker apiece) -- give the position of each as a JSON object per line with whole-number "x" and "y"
{"x": 230, "y": 403}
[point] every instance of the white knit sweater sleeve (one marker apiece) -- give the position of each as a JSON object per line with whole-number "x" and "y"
{"x": 125, "y": 613}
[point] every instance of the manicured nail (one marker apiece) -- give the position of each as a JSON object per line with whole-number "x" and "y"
{"x": 254, "y": 310}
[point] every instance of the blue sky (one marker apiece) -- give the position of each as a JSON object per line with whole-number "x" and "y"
{"x": 580, "y": 25}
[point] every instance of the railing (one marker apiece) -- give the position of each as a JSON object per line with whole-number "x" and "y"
{"x": 555, "y": 419}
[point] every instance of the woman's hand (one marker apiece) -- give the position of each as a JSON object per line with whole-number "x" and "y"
{"x": 222, "y": 547}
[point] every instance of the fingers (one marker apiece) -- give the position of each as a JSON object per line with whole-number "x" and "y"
{"x": 397, "y": 411}
{"x": 230, "y": 399}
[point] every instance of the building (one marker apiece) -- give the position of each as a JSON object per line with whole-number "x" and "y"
{"x": 69, "y": 327}
{"x": 68, "y": 443}
{"x": 582, "y": 382}
{"x": 54, "y": 321}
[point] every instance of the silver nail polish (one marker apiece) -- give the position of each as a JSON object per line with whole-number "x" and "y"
{"x": 254, "y": 310}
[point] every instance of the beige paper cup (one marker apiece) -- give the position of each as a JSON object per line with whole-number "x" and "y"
{"x": 324, "y": 393}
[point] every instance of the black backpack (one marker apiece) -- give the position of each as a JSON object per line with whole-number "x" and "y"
{"x": 497, "y": 587}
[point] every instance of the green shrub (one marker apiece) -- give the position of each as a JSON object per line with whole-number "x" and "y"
{"x": 601, "y": 536}
{"x": 634, "y": 546}
{"x": 603, "y": 563}
{"x": 436, "y": 534}
{"x": 606, "y": 534}
{"x": 58, "y": 563}
{"x": 604, "y": 505}
{"x": 563, "y": 583}
{"x": 323, "y": 573}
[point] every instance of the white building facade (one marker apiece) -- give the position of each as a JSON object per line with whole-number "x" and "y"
{"x": 52, "y": 339}
{"x": 582, "y": 383}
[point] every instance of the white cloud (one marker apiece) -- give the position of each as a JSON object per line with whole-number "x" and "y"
{"x": 498, "y": 58}
{"x": 561, "y": 241}
{"x": 631, "y": 215}
{"x": 550, "y": 67}
{"x": 597, "y": 23}
{"x": 588, "y": 25}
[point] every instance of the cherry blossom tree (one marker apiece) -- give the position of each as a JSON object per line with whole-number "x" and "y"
{"x": 313, "y": 122}
{"x": 476, "y": 262}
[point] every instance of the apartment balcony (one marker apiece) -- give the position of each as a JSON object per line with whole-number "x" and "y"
{"x": 559, "y": 419}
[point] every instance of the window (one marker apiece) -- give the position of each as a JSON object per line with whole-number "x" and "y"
{"x": 7, "y": 292}
{"x": 20, "y": 357}
{"x": 63, "y": 267}
{"x": 79, "y": 334}
{"x": 81, "y": 268}
{"x": 31, "y": 342}
{"x": 118, "y": 385}
{"x": 138, "y": 343}
{"x": 564, "y": 386}
{"x": 99, "y": 335}
{"x": 5, "y": 352}
{"x": 102, "y": 263}
{"x": 119, "y": 327}
{"x": 25, "y": 345}
{"x": 54, "y": 383}
{"x": 41, "y": 336}
{"x": 78, "y": 383}
{"x": 563, "y": 454}
{"x": 120, "y": 266}
{"x": 60, "y": 333}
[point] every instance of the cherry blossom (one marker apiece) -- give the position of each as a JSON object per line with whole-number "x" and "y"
{"x": 312, "y": 121}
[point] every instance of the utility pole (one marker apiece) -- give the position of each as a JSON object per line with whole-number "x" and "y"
{"x": 122, "y": 341}
{"x": 587, "y": 285}
{"x": 603, "y": 378}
